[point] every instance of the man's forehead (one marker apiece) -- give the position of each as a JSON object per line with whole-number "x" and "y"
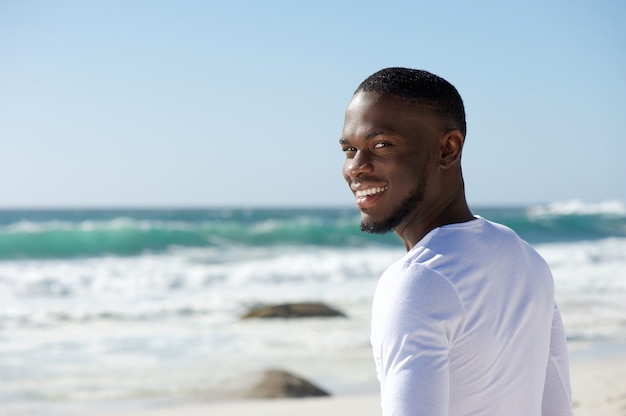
{"x": 372, "y": 111}
{"x": 372, "y": 102}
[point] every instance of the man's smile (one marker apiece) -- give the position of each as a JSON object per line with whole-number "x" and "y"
{"x": 362, "y": 193}
{"x": 367, "y": 197}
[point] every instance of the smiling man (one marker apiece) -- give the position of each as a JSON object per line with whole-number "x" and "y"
{"x": 465, "y": 323}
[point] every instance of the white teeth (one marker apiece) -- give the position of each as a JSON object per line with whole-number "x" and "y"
{"x": 371, "y": 191}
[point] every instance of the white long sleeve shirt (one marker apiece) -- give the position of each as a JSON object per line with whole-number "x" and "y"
{"x": 466, "y": 324}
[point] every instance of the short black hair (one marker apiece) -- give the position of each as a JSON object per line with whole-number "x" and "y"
{"x": 431, "y": 92}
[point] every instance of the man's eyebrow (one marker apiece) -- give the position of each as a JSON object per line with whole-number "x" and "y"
{"x": 376, "y": 133}
{"x": 368, "y": 136}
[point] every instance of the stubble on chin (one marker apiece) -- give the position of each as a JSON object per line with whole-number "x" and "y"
{"x": 397, "y": 216}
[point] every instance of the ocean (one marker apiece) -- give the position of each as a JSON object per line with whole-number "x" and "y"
{"x": 114, "y": 308}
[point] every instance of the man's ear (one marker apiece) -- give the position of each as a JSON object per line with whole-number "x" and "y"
{"x": 451, "y": 145}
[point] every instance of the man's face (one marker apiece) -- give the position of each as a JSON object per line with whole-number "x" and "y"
{"x": 389, "y": 147}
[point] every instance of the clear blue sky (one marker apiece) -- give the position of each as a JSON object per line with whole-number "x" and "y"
{"x": 213, "y": 103}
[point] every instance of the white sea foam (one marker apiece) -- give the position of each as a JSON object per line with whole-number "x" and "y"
{"x": 590, "y": 279}
{"x": 576, "y": 207}
{"x": 119, "y": 223}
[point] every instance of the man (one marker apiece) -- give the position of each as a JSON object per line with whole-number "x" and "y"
{"x": 465, "y": 323}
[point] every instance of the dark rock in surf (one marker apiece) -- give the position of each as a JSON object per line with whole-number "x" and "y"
{"x": 274, "y": 384}
{"x": 294, "y": 310}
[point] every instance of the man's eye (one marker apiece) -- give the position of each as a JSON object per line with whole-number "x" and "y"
{"x": 380, "y": 145}
{"x": 349, "y": 149}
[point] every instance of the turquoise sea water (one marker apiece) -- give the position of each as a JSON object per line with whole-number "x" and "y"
{"x": 114, "y": 305}
{"x": 42, "y": 234}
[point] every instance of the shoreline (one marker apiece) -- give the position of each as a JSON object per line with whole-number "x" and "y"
{"x": 598, "y": 389}
{"x": 597, "y": 373}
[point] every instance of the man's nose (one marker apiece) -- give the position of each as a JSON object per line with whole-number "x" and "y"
{"x": 360, "y": 163}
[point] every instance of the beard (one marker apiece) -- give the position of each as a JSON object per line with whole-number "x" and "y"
{"x": 401, "y": 212}
{"x": 396, "y": 217}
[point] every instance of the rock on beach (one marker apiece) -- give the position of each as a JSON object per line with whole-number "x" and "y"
{"x": 293, "y": 310}
{"x": 275, "y": 384}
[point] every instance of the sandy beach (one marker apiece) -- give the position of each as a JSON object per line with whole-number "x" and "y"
{"x": 598, "y": 386}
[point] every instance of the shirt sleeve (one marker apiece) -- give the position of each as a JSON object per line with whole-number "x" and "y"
{"x": 415, "y": 324}
{"x": 557, "y": 395}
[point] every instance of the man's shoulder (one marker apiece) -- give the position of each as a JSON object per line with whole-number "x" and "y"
{"x": 468, "y": 246}
{"x": 478, "y": 231}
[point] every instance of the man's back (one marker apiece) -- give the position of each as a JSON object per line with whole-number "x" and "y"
{"x": 463, "y": 324}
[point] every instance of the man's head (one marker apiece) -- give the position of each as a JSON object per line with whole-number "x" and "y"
{"x": 402, "y": 137}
